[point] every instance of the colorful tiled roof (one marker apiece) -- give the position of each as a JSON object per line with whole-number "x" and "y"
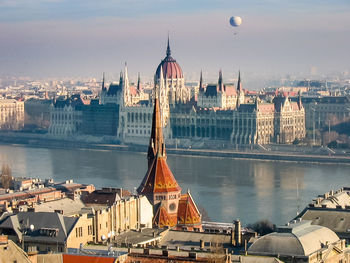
{"x": 162, "y": 218}
{"x": 188, "y": 213}
{"x": 159, "y": 179}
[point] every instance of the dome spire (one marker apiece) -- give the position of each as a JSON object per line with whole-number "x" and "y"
{"x": 168, "y": 51}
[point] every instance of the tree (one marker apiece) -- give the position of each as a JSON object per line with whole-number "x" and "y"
{"x": 204, "y": 213}
{"x": 262, "y": 227}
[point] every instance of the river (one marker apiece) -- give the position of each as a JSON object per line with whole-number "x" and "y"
{"x": 227, "y": 189}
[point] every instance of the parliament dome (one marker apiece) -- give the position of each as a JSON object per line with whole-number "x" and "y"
{"x": 171, "y": 69}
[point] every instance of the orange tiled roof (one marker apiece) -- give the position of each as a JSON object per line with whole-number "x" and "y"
{"x": 188, "y": 213}
{"x": 162, "y": 218}
{"x": 159, "y": 178}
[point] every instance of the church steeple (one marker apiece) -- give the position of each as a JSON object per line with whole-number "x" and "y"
{"x": 168, "y": 51}
{"x": 156, "y": 145}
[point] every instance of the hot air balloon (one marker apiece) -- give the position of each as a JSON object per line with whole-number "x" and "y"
{"x": 235, "y": 21}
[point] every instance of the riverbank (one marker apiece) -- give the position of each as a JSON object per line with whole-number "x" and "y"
{"x": 44, "y": 141}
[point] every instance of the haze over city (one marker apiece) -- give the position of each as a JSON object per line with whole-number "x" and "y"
{"x": 58, "y": 38}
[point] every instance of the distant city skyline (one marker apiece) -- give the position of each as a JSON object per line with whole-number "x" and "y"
{"x": 62, "y": 38}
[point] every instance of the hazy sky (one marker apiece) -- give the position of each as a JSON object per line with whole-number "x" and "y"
{"x": 58, "y": 38}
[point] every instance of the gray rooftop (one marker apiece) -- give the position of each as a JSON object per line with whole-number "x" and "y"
{"x": 299, "y": 239}
{"x": 67, "y": 205}
{"x": 41, "y": 221}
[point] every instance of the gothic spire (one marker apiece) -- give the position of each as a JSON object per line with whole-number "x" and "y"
{"x": 168, "y": 51}
{"x": 121, "y": 78}
{"x": 239, "y": 84}
{"x": 201, "y": 82}
{"x": 103, "y": 82}
{"x": 220, "y": 81}
{"x": 138, "y": 82}
{"x": 300, "y": 104}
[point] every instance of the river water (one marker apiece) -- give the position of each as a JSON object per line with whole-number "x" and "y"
{"x": 227, "y": 189}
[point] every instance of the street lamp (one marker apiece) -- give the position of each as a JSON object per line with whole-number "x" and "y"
{"x": 103, "y": 237}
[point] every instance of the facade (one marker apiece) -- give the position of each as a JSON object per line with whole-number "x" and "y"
{"x": 281, "y": 121}
{"x": 324, "y": 111}
{"x": 100, "y": 119}
{"x": 116, "y": 211}
{"x": 219, "y": 96}
{"x": 11, "y": 114}
{"x": 171, "y": 208}
{"x": 66, "y": 116}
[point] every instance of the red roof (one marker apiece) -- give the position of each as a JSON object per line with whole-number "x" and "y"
{"x": 188, "y": 213}
{"x": 266, "y": 108}
{"x": 162, "y": 218}
{"x": 230, "y": 90}
{"x": 171, "y": 69}
{"x": 87, "y": 259}
{"x": 159, "y": 179}
{"x": 133, "y": 90}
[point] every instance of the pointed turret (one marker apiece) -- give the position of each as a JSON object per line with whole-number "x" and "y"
{"x": 126, "y": 90}
{"x": 239, "y": 84}
{"x": 300, "y": 104}
{"x": 220, "y": 82}
{"x": 201, "y": 89}
{"x": 121, "y": 78}
{"x": 138, "y": 82}
{"x": 240, "y": 91}
{"x": 103, "y": 82}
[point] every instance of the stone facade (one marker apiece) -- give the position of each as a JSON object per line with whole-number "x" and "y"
{"x": 11, "y": 114}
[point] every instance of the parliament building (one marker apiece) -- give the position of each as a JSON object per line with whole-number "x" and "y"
{"x": 211, "y": 114}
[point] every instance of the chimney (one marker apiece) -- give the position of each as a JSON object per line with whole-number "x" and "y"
{"x": 238, "y": 233}
{"x": 192, "y": 255}
{"x": 201, "y": 244}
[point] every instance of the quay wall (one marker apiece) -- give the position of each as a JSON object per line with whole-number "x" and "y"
{"x": 44, "y": 141}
